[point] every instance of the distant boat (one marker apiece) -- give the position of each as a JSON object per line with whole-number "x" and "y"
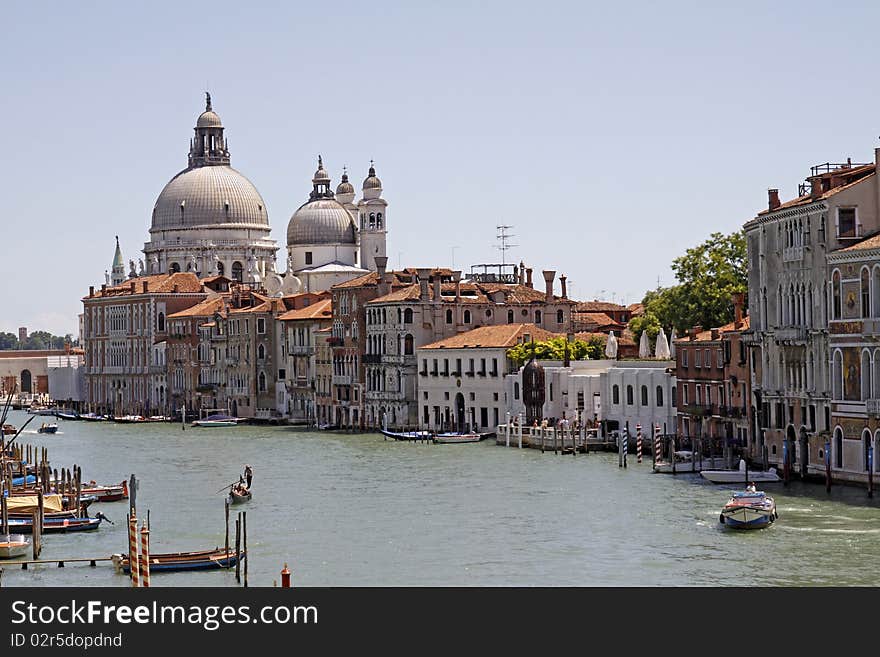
{"x": 55, "y": 525}
{"x": 750, "y": 509}
{"x": 41, "y": 410}
{"x": 176, "y": 561}
{"x": 217, "y": 420}
{"x": 9, "y": 429}
{"x": 13, "y": 545}
{"x": 239, "y": 494}
{"x": 68, "y": 415}
{"x": 408, "y": 435}
{"x": 92, "y": 417}
{"x": 111, "y": 493}
{"x": 48, "y": 428}
{"x": 452, "y": 438}
{"x": 741, "y": 476}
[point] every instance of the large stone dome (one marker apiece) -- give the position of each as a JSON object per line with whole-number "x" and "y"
{"x": 321, "y": 221}
{"x": 209, "y": 196}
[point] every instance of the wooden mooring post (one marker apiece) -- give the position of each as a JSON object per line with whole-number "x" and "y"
{"x": 226, "y": 505}
{"x": 244, "y": 545}
{"x": 827, "y": 466}
{"x": 870, "y": 471}
{"x": 238, "y": 548}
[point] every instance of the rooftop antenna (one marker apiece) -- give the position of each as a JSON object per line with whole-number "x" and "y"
{"x": 503, "y": 237}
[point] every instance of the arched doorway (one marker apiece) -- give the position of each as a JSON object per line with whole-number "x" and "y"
{"x": 838, "y": 447}
{"x": 459, "y": 412}
{"x": 26, "y": 381}
{"x": 790, "y": 439}
{"x": 866, "y": 445}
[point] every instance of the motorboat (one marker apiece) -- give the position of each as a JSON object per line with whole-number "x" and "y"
{"x": 408, "y": 435}
{"x": 13, "y": 545}
{"x": 457, "y": 437}
{"x": 68, "y": 415}
{"x": 93, "y": 417}
{"x": 749, "y": 509}
{"x": 41, "y": 410}
{"x": 48, "y": 428}
{"x": 742, "y": 475}
{"x": 686, "y": 461}
{"x": 218, "y": 420}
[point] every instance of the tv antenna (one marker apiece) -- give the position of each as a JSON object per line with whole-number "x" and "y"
{"x": 504, "y": 237}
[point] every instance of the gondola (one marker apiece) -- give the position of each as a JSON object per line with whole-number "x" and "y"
{"x": 408, "y": 435}
{"x": 176, "y": 561}
{"x": 239, "y": 494}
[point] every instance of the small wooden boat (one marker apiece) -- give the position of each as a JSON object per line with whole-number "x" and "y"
{"x": 751, "y": 509}
{"x": 13, "y": 545}
{"x": 110, "y": 493}
{"x": 48, "y": 428}
{"x": 239, "y": 494}
{"x": 408, "y": 435}
{"x": 457, "y": 437}
{"x": 9, "y": 430}
{"x": 129, "y": 419}
{"x": 176, "y": 561}
{"x": 55, "y": 526}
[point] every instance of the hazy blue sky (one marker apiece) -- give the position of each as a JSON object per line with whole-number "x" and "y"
{"x": 612, "y": 136}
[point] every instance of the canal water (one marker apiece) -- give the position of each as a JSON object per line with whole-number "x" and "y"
{"x": 359, "y": 510}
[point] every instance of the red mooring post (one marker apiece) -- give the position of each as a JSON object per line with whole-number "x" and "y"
{"x": 285, "y": 577}
{"x": 638, "y": 443}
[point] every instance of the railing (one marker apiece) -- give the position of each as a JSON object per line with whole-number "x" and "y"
{"x": 341, "y": 380}
{"x": 302, "y": 350}
{"x": 873, "y": 406}
{"x": 791, "y": 333}
{"x": 699, "y": 409}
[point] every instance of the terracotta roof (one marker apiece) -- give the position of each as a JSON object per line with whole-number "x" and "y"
{"x": 861, "y": 174}
{"x": 872, "y": 242}
{"x": 706, "y": 336}
{"x": 636, "y": 308}
{"x": 502, "y": 336}
{"x": 597, "y": 306}
{"x": 186, "y": 282}
{"x": 206, "y": 308}
{"x": 599, "y": 319}
{"x": 321, "y": 310}
{"x": 471, "y": 293}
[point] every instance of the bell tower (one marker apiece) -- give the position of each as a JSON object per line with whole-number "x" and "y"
{"x": 372, "y": 222}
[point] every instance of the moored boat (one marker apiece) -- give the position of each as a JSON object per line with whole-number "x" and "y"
{"x": 13, "y": 545}
{"x": 53, "y": 525}
{"x": 9, "y": 430}
{"x": 92, "y": 417}
{"x": 408, "y": 435}
{"x": 742, "y": 475}
{"x": 750, "y": 509}
{"x": 68, "y": 415}
{"x": 176, "y": 561}
{"x": 457, "y": 437}
{"x": 109, "y": 493}
{"x": 48, "y": 428}
{"x": 217, "y": 420}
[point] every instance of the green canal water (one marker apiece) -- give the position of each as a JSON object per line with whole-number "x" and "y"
{"x": 358, "y": 510}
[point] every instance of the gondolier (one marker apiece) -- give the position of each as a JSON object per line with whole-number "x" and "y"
{"x": 248, "y": 474}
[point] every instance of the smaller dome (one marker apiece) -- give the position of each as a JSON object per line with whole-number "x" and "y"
{"x": 321, "y": 176}
{"x": 344, "y": 187}
{"x": 209, "y": 119}
{"x": 321, "y": 221}
{"x": 371, "y": 181}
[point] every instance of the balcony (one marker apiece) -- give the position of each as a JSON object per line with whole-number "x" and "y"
{"x": 793, "y": 254}
{"x": 873, "y": 407}
{"x": 471, "y": 373}
{"x": 699, "y": 410}
{"x": 341, "y": 380}
{"x": 301, "y": 350}
{"x": 791, "y": 334}
{"x": 729, "y": 411}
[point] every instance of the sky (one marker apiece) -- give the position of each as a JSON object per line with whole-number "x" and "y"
{"x": 611, "y": 137}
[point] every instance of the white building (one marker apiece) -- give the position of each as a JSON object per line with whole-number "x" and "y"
{"x": 461, "y": 378}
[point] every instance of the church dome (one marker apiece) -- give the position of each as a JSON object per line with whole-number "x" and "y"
{"x": 208, "y": 119}
{"x": 321, "y": 221}
{"x": 344, "y": 187}
{"x": 209, "y": 195}
{"x": 372, "y": 181}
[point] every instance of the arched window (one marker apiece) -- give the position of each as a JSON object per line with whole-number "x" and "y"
{"x": 220, "y": 269}
{"x": 837, "y": 375}
{"x": 674, "y": 400}
{"x": 175, "y": 267}
{"x": 835, "y": 293}
{"x": 378, "y": 221}
{"x": 262, "y": 381}
{"x": 467, "y": 316}
{"x": 26, "y": 381}
{"x": 237, "y": 269}
{"x": 372, "y": 220}
{"x": 537, "y": 317}
{"x": 644, "y": 395}
{"x": 875, "y": 291}
{"x": 629, "y": 395}
{"x": 866, "y": 375}
{"x": 449, "y": 317}
{"x": 408, "y": 345}
{"x": 659, "y": 396}
{"x": 615, "y": 394}
{"x": 399, "y": 315}
{"x": 510, "y": 317}
{"x": 160, "y": 322}
{"x": 560, "y": 316}
{"x": 516, "y": 389}
{"x": 866, "y": 445}
{"x": 407, "y": 316}
{"x": 261, "y": 352}
{"x": 865, "y": 289}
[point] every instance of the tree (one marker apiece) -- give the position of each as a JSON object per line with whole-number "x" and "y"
{"x": 708, "y": 275}
{"x": 8, "y": 340}
{"x": 554, "y": 349}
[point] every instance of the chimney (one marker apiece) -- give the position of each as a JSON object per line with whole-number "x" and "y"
{"x": 91, "y": 290}
{"x": 103, "y": 287}
{"x": 382, "y": 284}
{"x": 423, "y": 283}
{"x": 738, "y": 299}
{"x": 174, "y": 289}
{"x": 549, "y": 275}
{"x": 131, "y": 287}
{"x": 144, "y": 284}
{"x": 529, "y": 277}
{"x": 773, "y": 199}
{"x": 522, "y": 273}
{"x": 456, "y": 276}
{"x": 715, "y": 334}
{"x": 437, "y": 281}
{"x": 564, "y": 289}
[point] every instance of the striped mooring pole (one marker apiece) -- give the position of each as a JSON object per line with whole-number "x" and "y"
{"x": 133, "y": 551}
{"x": 658, "y": 449}
{"x": 145, "y": 555}
{"x": 638, "y": 443}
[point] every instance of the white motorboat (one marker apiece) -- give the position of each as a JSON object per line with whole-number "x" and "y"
{"x": 751, "y": 509}
{"x": 687, "y": 461}
{"x": 454, "y": 438}
{"x": 741, "y": 476}
{"x": 13, "y": 545}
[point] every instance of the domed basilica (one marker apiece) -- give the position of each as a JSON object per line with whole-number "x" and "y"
{"x": 211, "y": 220}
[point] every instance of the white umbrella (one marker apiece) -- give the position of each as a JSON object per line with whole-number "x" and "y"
{"x": 661, "y": 349}
{"x": 611, "y": 346}
{"x": 672, "y": 339}
{"x": 644, "y": 347}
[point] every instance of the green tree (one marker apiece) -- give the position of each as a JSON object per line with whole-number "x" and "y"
{"x": 554, "y": 349}
{"x": 8, "y": 340}
{"x": 708, "y": 275}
